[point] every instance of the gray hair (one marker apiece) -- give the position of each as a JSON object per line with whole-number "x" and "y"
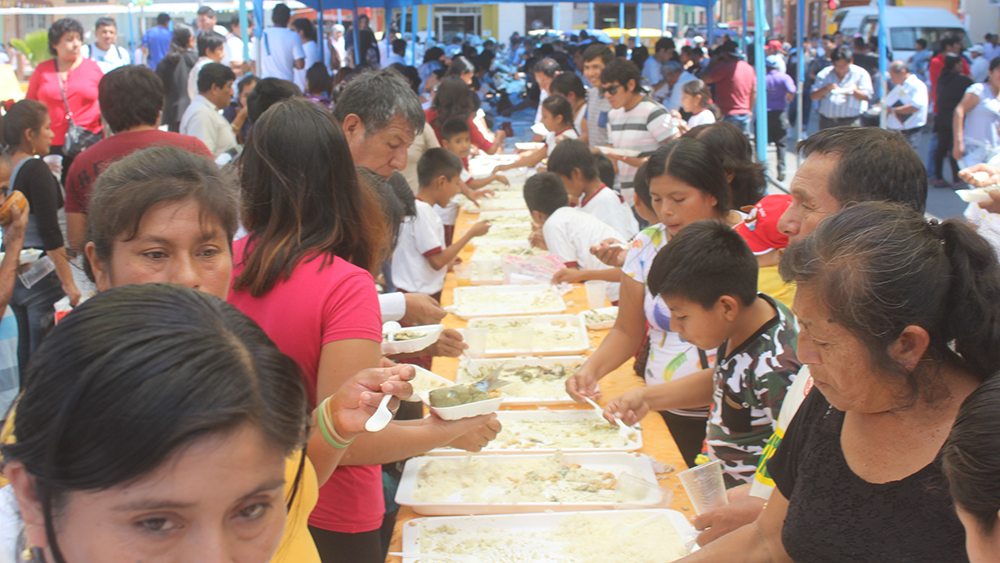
{"x": 378, "y": 97}
{"x": 671, "y": 67}
{"x": 898, "y": 66}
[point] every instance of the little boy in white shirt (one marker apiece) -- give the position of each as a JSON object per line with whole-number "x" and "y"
{"x": 569, "y": 233}
{"x": 421, "y": 258}
{"x": 575, "y": 165}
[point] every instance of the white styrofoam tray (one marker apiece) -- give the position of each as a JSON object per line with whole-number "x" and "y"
{"x": 486, "y": 366}
{"x": 499, "y": 310}
{"x": 615, "y": 463}
{"x": 517, "y": 525}
{"x": 424, "y": 382}
{"x": 539, "y": 323}
{"x": 510, "y": 417}
{"x": 502, "y": 200}
{"x": 416, "y": 344}
{"x": 619, "y": 152}
{"x": 601, "y": 325}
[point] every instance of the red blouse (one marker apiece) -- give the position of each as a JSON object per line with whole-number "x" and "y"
{"x": 81, "y": 94}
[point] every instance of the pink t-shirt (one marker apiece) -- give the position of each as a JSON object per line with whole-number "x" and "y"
{"x": 313, "y": 307}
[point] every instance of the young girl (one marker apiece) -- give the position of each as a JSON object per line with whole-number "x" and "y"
{"x": 697, "y": 101}
{"x": 557, "y": 117}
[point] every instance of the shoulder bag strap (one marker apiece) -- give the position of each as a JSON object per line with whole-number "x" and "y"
{"x": 69, "y": 114}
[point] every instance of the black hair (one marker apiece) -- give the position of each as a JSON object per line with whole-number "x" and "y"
{"x": 606, "y": 170}
{"x": 62, "y": 27}
{"x": 572, "y": 154}
{"x": 433, "y": 54}
{"x": 206, "y": 11}
{"x": 548, "y": 67}
{"x": 214, "y": 74}
{"x": 318, "y": 79}
{"x": 872, "y": 165}
{"x": 641, "y": 184}
{"x": 162, "y": 18}
{"x": 130, "y": 96}
{"x": 922, "y": 42}
{"x": 410, "y": 74}
{"x": 949, "y": 39}
{"x": 438, "y": 162}
{"x": 268, "y": 92}
{"x": 622, "y": 71}
{"x": 598, "y": 51}
{"x": 696, "y": 164}
{"x": 393, "y": 209}
{"x": 951, "y": 63}
{"x": 842, "y": 53}
{"x": 882, "y": 267}
{"x": 459, "y": 66}
{"x": 703, "y": 262}
{"x": 209, "y": 41}
{"x": 399, "y": 46}
{"x": 179, "y": 42}
{"x": 281, "y": 15}
{"x": 568, "y": 82}
{"x": 994, "y": 64}
{"x": 544, "y": 192}
{"x": 454, "y": 127}
{"x": 307, "y": 27}
{"x": 859, "y": 42}
{"x": 453, "y": 100}
{"x": 639, "y": 56}
{"x": 664, "y": 44}
{"x": 105, "y": 22}
{"x": 621, "y": 51}
{"x": 137, "y": 373}
{"x": 970, "y": 458}
{"x": 133, "y": 185}
{"x": 24, "y": 115}
{"x": 244, "y": 83}
{"x": 559, "y": 106}
{"x": 733, "y": 148}
{"x": 698, "y": 88}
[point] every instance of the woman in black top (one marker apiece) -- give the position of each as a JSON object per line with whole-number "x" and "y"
{"x": 898, "y": 325}
{"x": 951, "y": 87}
{"x": 173, "y": 70}
{"x": 26, "y": 131}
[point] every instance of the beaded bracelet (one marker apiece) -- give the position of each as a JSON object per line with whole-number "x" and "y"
{"x": 329, "y": 433}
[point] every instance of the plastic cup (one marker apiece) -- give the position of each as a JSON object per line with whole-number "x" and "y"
{"x": 476, "y": 339}
{"x": 705, "y": 487}
{"x": 596, "y": 293}
{"x": 524, "y": 340}
{"x": 484, "y": 270}
{"x": 635, "y": 492}
{"x": 463, "y": 275}
{"x": 54, "y": 161}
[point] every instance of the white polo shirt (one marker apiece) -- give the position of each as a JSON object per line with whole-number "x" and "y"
{"x": 608, "y": 207}
{"x": 420, "y": 237}
{"x": 569, "y": 233}
{"x": 911, "y": 92}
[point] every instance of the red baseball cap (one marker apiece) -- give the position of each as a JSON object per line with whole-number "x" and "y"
{"x": 760, "y": 228}
{"x": 775, "y": 44}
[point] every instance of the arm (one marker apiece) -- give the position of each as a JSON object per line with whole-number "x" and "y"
{"x": 64, "y": 274}
{"x": 689, "y": 392}
{"x": 448, "y": 255}
{"x": 573, "y": 275}
{"x": 759, "y": 542}
{"x": 969, "y": 101}
{"x": 45, "y": 197}
{"x": 300, "y": 63}
{"x": 76, "y": 230}
{"x": 618, "y": 346}
{"x": 753, "y": 98}
{"x": 527, "y": 160}
{"x": 13, "y": 239}
{"x": 476, "y": 183}
{"x": 864, "y": 90}
{"x": 584, "y": 133}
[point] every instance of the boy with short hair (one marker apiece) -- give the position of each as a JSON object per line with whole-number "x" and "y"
{"x": 573, "y": 162}
{"x": 707, "y": 276}
{"x": 456, "y": 137}
{"x": 569, "y": 233}
{"x": 421, "y": 258}
{"x": 211, "y": 49}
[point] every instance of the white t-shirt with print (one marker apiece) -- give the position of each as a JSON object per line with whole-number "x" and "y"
{"x": 420, "y": 236}
{"x": 608, "y": 207}
{"x": 569, "y": 233}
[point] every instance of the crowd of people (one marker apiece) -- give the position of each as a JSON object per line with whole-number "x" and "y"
{"x": 231, "y": 235}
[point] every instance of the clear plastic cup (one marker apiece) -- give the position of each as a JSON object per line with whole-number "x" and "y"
{"x": 483, "y": 270}
{"x": 705, "y": 487}
{"x": 524, "y": 340}
{"x": 54, "y": 161}
{"x": 463, "y": 275}
{"x": 596, "y": 293}
{"x": 635, "y": 492}
{"x": 476, "y": 339}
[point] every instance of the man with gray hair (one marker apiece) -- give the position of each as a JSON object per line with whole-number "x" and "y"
{"x": 906, "y": 103}
{"x": 670, "y": 90}
{"x": 380, "y": 116}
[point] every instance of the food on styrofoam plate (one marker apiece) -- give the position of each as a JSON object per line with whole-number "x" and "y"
{"x": 424, "y": 381}
{"x": 455, "y": 395}
{"x": 547, "y": 335}
{"x": 556, "y": 434}
{"x": 473, "y": 303}
{"x": 594, "y": 317}
{"x": 404, "y": 335}
{"x": 534, "y": 382}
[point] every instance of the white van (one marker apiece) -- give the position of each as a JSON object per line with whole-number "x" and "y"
{"x": 905, "y": 25}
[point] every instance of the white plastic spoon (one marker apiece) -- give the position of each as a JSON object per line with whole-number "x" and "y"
{"x": 382, "y": 416}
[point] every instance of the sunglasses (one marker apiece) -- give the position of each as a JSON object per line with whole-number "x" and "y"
{"x": 613, "y": 89}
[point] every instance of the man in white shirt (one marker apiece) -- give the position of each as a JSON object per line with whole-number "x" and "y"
{"x": 979, "y": 70}
{"x": 234, "y": 46}
{"x": 281, "y": 51}
{"x": 203, "y": 118}
{"x": 208, "y": 21}
{"x": 105, "y": 51}
{"x": 651, "y": 73}
{"x": 906, "y": 103}
{"x": 398, "y": 54}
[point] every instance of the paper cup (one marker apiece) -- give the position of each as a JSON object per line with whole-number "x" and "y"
{"x": 476, "y": 339}
{"x": 705, "y": 487}
{"x": 596, "y": 293}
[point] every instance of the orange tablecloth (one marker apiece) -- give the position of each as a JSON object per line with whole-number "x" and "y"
{"x": 657, "y": 441}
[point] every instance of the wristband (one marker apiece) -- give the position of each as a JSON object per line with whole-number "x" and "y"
{"x": 327, "y": 429}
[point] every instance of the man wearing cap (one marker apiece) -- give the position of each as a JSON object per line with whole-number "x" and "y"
{"x": 671, "y": 89}
{"x": 980, "y": 67}
{"x": 735, "y": 85}
{"x": 780, "y": 90}
{"x": 842, "y": 89}
{"x": 906, "y": 103}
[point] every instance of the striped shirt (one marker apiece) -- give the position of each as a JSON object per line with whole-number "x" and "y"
{"x": 597, "y": 118}
{"x": 839, "y": 106}
{"x": 642, "y": 128}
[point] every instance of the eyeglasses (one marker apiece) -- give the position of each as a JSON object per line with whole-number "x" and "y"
{"x": 613, "y": 89}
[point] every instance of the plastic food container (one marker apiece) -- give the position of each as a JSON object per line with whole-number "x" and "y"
{"x": 603, "y": 324}
{"x": 416, "y": 344}
{"x": 424, "y": 383}
{"x": 467, "y": 410}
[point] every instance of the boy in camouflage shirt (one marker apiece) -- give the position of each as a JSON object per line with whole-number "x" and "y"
{"x": 707, "y": 276}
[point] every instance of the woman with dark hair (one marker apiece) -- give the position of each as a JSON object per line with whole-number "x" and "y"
{"x": 27, "y": 134}
{"x": 570, "y": 86}
{"x": 686, "y": 184}
{"x": 165, "y": 215}
{"x": 432, "y": 61}
{"x": 307, "y": 33}
{"x": 173, "y": 71}
{"x": 557, "y": 117}
{"x": 951, "y": 87}
{"x": 971, "y": 462}
{"x": 318, "y": 86}
{"x": 899, "y": 325}
{"x": 746, "y": 176}
{"x": 67, "y": 85}
{"x": 454, "y": 101}
{"x": 305, "y": 274}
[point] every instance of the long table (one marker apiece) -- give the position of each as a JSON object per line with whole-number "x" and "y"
{"x": 657, "y": 441}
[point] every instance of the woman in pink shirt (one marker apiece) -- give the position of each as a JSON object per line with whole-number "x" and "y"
{"x": 79, "y": 78}
{"x": 304, "y": 274}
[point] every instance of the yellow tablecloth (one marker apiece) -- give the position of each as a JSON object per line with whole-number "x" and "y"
{"x": 657, "y": 441}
